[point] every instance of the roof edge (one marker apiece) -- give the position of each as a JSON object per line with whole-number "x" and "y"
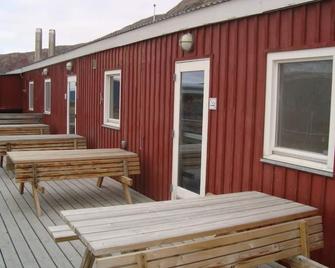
{"x": 212, "y": 14}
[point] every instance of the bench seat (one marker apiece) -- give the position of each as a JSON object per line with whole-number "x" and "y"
{"x": 62, "y": 233}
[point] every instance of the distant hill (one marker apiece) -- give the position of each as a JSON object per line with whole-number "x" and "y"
{"x": 17, "y": 60}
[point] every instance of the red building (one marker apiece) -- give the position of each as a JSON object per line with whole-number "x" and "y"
{"x": 222, "y": 97}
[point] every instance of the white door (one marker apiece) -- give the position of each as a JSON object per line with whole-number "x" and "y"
{"x": 71, "y": 104}
{"x": 190, "y": 128}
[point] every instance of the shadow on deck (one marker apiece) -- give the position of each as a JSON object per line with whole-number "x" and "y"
{"x": 24, "y": 239}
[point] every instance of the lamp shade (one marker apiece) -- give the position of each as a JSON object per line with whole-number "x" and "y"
{"x": 186, "y": 42}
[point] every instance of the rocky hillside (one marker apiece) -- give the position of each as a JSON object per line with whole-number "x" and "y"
{"x": 13, "y": 61}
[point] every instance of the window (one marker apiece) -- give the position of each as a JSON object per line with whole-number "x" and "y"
{"x": 47, "y": 96}
{"x": 31, "y": 96}
{"x": 112, "y": 98}
{"x": 300, "y": 112}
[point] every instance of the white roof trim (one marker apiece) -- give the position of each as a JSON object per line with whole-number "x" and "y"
{"x": 213, "y": 14}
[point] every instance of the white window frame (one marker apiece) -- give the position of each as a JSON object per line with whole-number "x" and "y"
{"x": 110, "y": 122}
{"x": 47, "y": 111}
{"x": 301, "y": 160}
{"x": 31, "y": 96}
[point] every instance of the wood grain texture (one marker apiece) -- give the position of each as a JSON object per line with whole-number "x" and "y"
{"x": 20, "y": 118}
{"x": 41, "y": 143}
{"x": 244, "y": 249}
{"x": 108, "y": 230}
{"x": 24, "y": 129}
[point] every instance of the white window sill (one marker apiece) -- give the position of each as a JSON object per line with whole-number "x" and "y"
{"x": 303, "y": 165}
{"x": 47, "y": 113}
{"x": 115, "y": 127}
{"x": 30, "y": 110}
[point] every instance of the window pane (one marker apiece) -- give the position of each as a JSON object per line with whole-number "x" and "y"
{"x": 304, "y": 105}
{"x": 31, "y": 96}
{"x": 47, "y": 96}
{"x": 114, "y": 100}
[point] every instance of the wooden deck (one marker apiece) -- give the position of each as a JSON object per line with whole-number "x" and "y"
{"x": 24, "y": 239}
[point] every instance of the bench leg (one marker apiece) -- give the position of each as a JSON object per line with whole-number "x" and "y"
{"x": 1, "y": 161}
{"x": 127, "y": 193}
{"x": 88, "y": 260}
{"x": 21, "y": 187}
{"x": 99, "y": 182}
{"x": 36, "y": 199}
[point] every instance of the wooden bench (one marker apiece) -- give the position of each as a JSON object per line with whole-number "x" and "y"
{"x": 40, "y": 143}
{"x": 37, "y": 166}
{"x": 242, "y": 249}
{"x": 26, "y": 129}
{"x": 20, "y": 118}
{"x": 62, "y": 233}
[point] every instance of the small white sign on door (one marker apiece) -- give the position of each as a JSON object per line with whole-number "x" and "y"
{"x": 212, "y": 104}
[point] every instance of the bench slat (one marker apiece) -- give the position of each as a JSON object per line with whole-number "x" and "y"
{"x": 244, "y": 249}
{"x": 62, "y": 233}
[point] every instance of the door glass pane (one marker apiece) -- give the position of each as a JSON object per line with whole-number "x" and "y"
{"x": 304, "y": 105}
{"x": 190, "y": 139}
{"x": 72, "y": 107}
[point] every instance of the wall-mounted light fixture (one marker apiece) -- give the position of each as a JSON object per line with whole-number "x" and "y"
{"x": 45, "y": 72}
{"x": 69, "y": 66}
{"x": 94, "y": 64}
{"x": 186, "y": 42}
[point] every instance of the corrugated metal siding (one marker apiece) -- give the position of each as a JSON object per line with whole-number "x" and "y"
{"x": 238, "y": 56}
{"x": 57, "y": 74}
{"x": 10, "y": 93}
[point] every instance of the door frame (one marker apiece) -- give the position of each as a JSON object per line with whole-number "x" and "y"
{"x": 71, "y": 78}
{"x": 185, "y": 66}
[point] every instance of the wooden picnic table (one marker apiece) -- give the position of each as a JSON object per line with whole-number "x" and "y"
{"x": 24, "y": 129}
{"x": 40, "y": 143}
{"x": 109, "y": 230}
{"x": 20, "y": 118}
{"x": 37, "y": 166}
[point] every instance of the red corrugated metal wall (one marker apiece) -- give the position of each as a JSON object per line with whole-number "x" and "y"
{"x": 58, "y": 75}
{"x": 10, "y": 93}
{"x": 237, "y": 50}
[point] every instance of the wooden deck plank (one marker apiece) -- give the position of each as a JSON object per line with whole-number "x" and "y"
{"x": 8, "y": 251}
{"x": 73, "y": 251}
{"x": 93, "y": 194}
{"x": 51, "y": 217}
{"x": 115, "y": 189}
{"x": 108, "y": 193}
{"x": 23, "y": 250}
{"x": 18, "y": 212}
{"x": 45, "y": 251}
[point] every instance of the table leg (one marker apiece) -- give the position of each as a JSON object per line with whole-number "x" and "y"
{"x": 21, "y": 187}
{"x": 99, "y": 182}
{"x": 127, "y": 193}
{"x": 88, "y": 259}
{"x": 36, "y": 190}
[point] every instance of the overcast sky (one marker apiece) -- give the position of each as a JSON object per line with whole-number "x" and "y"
{"x": 75, "y": 21}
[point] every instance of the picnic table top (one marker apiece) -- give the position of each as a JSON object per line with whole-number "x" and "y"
{"x": 107, "y": 230}
{"x": 13, "y": 138}
{"x": 68, "y": 155}
{"x": 24, "y": 126}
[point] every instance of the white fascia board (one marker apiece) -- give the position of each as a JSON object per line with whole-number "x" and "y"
{"x": 229, "y": 10}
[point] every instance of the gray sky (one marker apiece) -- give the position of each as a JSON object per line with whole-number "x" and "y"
{"x": 75, "y": 21}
